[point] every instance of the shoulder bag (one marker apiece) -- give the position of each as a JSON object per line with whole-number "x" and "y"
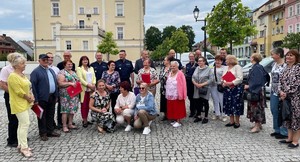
{"x": 220, "y": 88}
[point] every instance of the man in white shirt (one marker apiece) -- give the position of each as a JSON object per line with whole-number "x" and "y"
{"x": 50, "y": 63}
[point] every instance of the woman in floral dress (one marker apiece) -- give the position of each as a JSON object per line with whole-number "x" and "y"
{"x": 289, "y": 88}
{"x": 163, "y": 75}
{"x": 112, "y": 83}
{"x": 67, "y": 77}
{"x": 100, "y": 104}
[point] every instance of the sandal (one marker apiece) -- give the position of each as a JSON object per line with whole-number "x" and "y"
{"x": 19, "y": 149}
{"x": 26, "y": 153}
{"x": 101, "y": 130}
{"x": 65, "y": 129}
{"x": 255, "y": 130}
{"x": 73, "y": 127}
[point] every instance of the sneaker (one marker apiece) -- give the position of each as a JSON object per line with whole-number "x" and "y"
{"x": 224, "y": 118}
{"x": 128, "y": 128}
{"x": 146, "y": 130}
{"x": 150, "y": 122}
{"x": 173, "y": 122}
{"x": 176, "y": 125}
{"x": 214, "y": 117}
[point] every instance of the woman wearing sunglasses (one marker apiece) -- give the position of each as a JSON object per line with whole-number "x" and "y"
{"x": 145, "y": 110}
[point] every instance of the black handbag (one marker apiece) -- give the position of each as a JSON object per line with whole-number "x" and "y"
{"x": 286, "y": 110}
{"x": 253, "y": 97}
{"x": 220, "y": 88}
{"x": 203, "y": 90}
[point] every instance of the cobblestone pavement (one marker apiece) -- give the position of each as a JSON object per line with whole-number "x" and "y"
{"x": 191, "y": 142}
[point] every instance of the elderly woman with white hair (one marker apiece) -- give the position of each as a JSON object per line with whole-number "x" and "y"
{"x": 176, "y": 94}
{"x": 20, "y": 99}
{"x": 12, "y": 140}
{"x": 145, "y": 111}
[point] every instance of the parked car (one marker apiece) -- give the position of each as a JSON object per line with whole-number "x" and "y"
{"x": 243, "y": 61}
{"x": 184, "y": 57}
{"x": 267, "y": 63}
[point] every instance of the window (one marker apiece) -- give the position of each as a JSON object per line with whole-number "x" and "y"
{"x": 96, "y": 10}
{"x": 53, "y": 32}
{"x": 290, "y": 29}
{"x": 279, "y": 2}
{"x": 281, "y": 29}
{"x": 85, "y": 45}
{"x": 120, "y": 33}
{"x": 273, "y": 17}
{"x": 262, "y": 33}
{"x": 297, "y": 28}
{"x": 55, "y": 9}
{"x": 81, "y": 24}
{"x": 291, "y": 11}
{"x": 81, "y": 10}
{"x": 120, "y": 9}
{"x": 68, "y": 45}
{"x": 273, "y": 31}
{"x": 298, "y": 8}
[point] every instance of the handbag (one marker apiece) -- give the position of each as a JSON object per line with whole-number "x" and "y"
{"x": 203, "y": 90}
{"x": 220, "y": 88}
{"x": 74, "y": 91}
{"x": 253, "y": 97}
{"x": 286, "y": 108}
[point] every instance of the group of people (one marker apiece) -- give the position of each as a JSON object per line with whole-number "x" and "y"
{"x": 107, "y": 92}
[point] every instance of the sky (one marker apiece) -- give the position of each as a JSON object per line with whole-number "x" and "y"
{"x": 16, "y": 15}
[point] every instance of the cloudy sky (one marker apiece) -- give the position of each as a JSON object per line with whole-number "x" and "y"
{"x": 16, "y": 15}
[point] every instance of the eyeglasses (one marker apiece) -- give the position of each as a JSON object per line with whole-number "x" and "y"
{"x": 142, "y": 88}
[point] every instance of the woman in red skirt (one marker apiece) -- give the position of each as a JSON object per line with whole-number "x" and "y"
{"x": 176, "y": 94}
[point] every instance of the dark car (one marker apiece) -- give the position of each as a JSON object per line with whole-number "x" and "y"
{"x": 267, "y": 63}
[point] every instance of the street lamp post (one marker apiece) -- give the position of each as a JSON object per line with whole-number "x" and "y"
{"x": 196, "y": 15}
{"x": 265, "y": 34}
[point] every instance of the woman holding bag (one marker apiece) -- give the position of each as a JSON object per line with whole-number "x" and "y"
{"x": 216, "y": 93}
{"x": 256, "y": 81}
{"x": 69, "y": 106}
{"x": 289, "y": 89}
{"x": 201, "y": 79}
{"x": 233, "y": 102}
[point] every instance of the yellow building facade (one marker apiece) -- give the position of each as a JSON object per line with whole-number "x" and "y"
{"x": 80, "y": 25}
{"x": 269, "y": 20}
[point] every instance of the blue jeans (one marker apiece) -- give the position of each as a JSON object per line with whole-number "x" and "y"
{"x": 274, "y": 102}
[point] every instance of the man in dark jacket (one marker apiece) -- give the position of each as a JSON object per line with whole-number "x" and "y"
{"x": 139, "y": 63}
{"x": 45, "y": 91}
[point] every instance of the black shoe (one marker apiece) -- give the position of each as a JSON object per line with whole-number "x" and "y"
{"x": 274, "y": 134}
{"x": 204, "y": 121}
{"x": 192, "y": 115}
{"x": 85, "y": 125}
{"x": 73, "y": 123}
{"x": 44, "y": 137}
{"x": 58, "y": 126}
{"x": 12, "y": 144}
{"x": 53, "y": 134}
{"x": 285, "y": 142}
{"x": 229, "y": 124}
{"x": 236, "y": 126}
{"x": 90, "y": 123}
{"x": 197, "y": 120}
{"x": 280, "y": 136}
{"x": 291, "y": 145}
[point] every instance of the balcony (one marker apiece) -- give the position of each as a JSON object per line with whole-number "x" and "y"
{"x": 77, "y": 27}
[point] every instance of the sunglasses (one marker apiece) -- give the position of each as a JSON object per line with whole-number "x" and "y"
{"x": 142, "y": 88}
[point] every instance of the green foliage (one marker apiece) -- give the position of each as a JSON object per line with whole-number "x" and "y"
{"x": 108, "y": 45}
{"x": 190, "y": 34}
{"x": 292, "y": 41}
{"x": 229, "y": 23}
{"x": 179, "y": 41}
{"x": 152, "y": 38}
{"x": 3, "y": 57}
{"x": 167, "y": 32}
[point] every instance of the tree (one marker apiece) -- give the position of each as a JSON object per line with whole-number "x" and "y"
{"x": 108, "y": 45}
{"x": 161, "y": 50}
{"x": 152, "y": 38}
{"x": 187, "y": 29}
{"x": 167, "y": 32}
{"x": 229, "y": 23}
{"x": 292, "y": 41}
{"x": 179, "y": 41}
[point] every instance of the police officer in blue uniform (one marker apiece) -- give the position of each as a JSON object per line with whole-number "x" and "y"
{"x": 99, "y": 65}
{"x": 190, "y": 68}
{"x": 125, "y": 68}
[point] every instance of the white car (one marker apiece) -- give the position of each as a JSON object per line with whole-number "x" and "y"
{"x": 184, "y": 57}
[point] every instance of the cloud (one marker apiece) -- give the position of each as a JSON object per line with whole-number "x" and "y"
{"x": 21, "y": 34}
{"x": 5, "y": 12}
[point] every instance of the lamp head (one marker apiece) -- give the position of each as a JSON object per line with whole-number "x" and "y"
{"x": 196, "y": 13}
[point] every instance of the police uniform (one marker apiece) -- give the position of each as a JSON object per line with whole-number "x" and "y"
{"x": 99, "y": 68}
{"x": 125, "y": 68}
{"x": 190, "y": 68}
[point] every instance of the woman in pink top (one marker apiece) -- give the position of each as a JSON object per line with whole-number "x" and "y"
{"x": 176, "y": 94}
